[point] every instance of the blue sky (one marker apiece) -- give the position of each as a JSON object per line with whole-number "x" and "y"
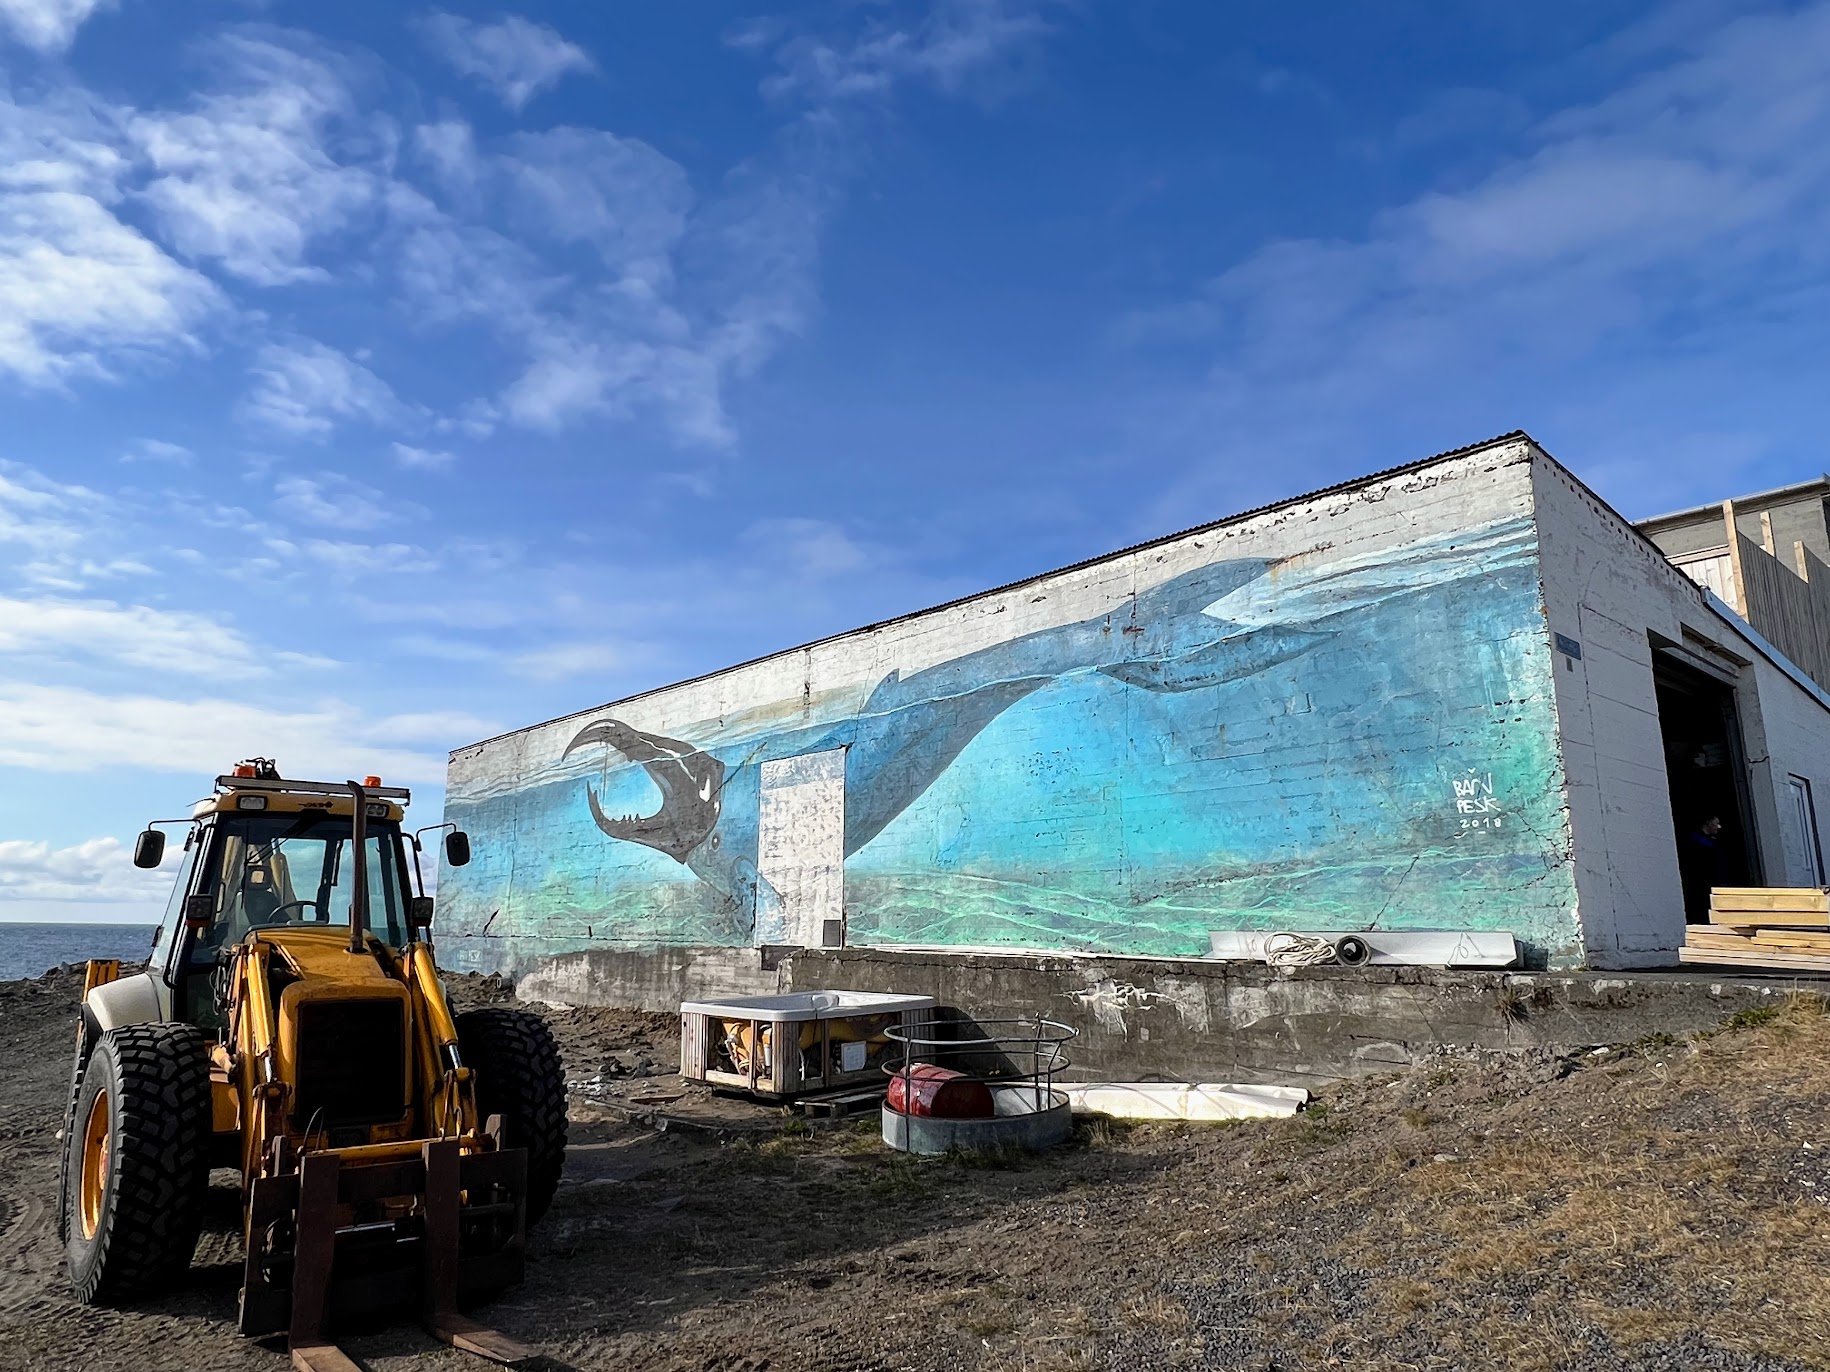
{"x": 375, "y": 379}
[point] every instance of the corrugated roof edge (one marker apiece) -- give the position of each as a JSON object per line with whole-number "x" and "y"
{"x": 1513, "y": 436}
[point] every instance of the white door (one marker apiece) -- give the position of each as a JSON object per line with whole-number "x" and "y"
{"x": 800, "y": 850}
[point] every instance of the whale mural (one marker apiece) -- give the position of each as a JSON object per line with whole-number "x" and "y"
{"x": 1245, "y": 744}
{"x": 911, "y": 729}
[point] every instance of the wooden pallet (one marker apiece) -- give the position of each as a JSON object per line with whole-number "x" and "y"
{"x": 1814, "y": 898}
{"x": 842, "y": 1103}
{"x": 1781, "y": 928}
{"x": 1766, "y": 958}
{"x": 1778, "y": 940}
{"x": 1758, "y": 906}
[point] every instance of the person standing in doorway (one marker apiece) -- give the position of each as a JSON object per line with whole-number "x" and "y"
{"x": 1700, "y": 865}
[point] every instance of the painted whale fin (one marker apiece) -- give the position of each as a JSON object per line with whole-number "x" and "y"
{"x": 689, "y": 779}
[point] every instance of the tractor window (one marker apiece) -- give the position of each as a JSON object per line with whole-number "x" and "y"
{"x": 278, "y": 870}
{"x": 173, "y": 920}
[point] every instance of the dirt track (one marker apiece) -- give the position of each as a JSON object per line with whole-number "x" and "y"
{"x": 1663, "y": 1207}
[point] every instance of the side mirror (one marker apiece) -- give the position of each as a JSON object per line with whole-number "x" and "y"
{"x": 199, "y": 911}
{"x": 419, "y": 912}
{"x": 149, "y": 849}
{"x": 457, "y": 848}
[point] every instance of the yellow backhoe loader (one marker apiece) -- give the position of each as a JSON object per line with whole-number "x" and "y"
{"x": 291, "y": 1025}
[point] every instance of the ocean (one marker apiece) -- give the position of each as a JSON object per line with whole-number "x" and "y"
{"x": 29, "y": 950}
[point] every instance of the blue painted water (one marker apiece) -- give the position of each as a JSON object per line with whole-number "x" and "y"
{"x": 29, "y": 950}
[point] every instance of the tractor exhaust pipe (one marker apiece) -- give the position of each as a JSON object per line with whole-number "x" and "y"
{"x": 359, "y": 900}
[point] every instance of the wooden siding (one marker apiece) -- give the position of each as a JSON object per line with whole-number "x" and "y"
{"x": 1791, "y": 612}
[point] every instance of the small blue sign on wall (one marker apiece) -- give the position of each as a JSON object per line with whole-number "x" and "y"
{"x": 1568, "y": 646}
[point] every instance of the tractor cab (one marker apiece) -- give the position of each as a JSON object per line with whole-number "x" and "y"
{"x": 292, "y": 1024}
{"x": 268, "y": 853}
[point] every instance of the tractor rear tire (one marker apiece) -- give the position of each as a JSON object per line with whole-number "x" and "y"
{"x": 137, "y": 1161}
{"x": 520, "y": 1077}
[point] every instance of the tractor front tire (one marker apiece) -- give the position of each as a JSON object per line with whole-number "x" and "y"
{"x": 519, "y": 1076}
{"x": 137, "y": 1161}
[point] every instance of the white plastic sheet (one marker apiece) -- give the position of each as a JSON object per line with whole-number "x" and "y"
{"x": 1159, "y": 1100}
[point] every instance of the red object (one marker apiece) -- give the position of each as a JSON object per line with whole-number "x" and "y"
{"x": 370, "y": 782}
{"x": 925, "y": 1089}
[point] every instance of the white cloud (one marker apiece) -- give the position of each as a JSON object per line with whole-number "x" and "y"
{"x": 370, "y": 559}
{"x": 136, "y": 636}
{"x": 681, "y": 298}
{"x": 561, "y": 661}
{"x": 588, "y": 373}
{"x": 514, "y": 57}
{"x": 687, "y": 293}
{"x": 950, "y": 44}
{"x": 450, "y": 271}
{"x": 249, "y": 176}
{"x": 47, "y": 25}
{"x": 60, "y": 529}
{"x": 80, "y": 289}
{"x": 64, "y": 729}
{"x": 334, "y": 500}
{"x": 1673, "y": 220}
{"x": 306, "y": 388}
{"x": 41, "y": 514}
{"x": 423, "y": 459}
{"x": 158, "y": 450}
{"x": 96, "y": 870}
{"x": 443, "y": 649}
{"x": 617, "y": 194}
{"x": 74, "y": 574}
{"x": 814, "y": 549}
{"x": 65, "y": 141}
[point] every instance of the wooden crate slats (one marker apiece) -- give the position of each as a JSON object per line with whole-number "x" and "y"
{"x": 1803, "y": 900}
{"x": 1769, "y": 959}
{"x": 1780, "y": 928}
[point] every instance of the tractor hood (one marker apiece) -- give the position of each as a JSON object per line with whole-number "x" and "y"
{"x": 322, "y": 951}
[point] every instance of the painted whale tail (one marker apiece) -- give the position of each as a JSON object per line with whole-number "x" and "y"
{"x": 690, "y": 780}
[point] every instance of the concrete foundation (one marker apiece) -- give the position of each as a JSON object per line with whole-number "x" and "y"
{"x": 1149, "y": 1019}
{"x": 1016, "y": 1125}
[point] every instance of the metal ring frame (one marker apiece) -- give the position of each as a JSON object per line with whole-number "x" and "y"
{"x": 1036, "y": 1041}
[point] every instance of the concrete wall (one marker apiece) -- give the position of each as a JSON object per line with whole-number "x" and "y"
{"x": 1787, "y": 732}
{"x": 1161, "y": 1020}
{"x": 1334, "y": 713}
{"x": 1610, "y": 591}
{"x": 1797, "y": 519}
{"x": 1700, "y": 534}
{"x": 1794, "y": 521}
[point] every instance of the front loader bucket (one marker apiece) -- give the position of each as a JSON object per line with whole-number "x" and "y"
{"x": 346, "y": 1236}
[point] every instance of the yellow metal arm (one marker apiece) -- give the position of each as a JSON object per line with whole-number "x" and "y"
{"x": 450, "y": 1101}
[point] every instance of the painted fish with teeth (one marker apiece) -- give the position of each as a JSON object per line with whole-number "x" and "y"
{"x": 910, "y": 729}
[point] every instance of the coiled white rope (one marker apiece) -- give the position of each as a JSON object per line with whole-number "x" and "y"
{"x": 1297, "y": 950}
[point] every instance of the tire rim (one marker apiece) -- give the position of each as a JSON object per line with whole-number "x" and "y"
{"x": 94, "y": 1188}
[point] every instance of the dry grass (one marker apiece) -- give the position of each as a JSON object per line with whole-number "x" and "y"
{"x": 1155, "y": 1310}
{"x": 1646, "y": 1230}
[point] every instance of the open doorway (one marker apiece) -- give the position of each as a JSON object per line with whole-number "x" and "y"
{"x": 1706, "y": 766}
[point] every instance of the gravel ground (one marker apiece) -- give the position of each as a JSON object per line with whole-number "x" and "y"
{"x": 1659, "y": 1206}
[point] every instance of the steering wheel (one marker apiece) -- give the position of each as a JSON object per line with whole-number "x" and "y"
{"x": 277, "y": 915}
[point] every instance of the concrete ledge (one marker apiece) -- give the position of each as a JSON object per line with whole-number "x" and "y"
{"x": 1143, "y": 1019}
{"x": 647, "y": 979}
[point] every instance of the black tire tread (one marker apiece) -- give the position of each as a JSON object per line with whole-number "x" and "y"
{"x": 149, "y": 1227}
{"x": 519, "y": 1075}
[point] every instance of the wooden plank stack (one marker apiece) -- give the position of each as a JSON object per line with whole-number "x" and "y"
{"x": 1781, "y": 928}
